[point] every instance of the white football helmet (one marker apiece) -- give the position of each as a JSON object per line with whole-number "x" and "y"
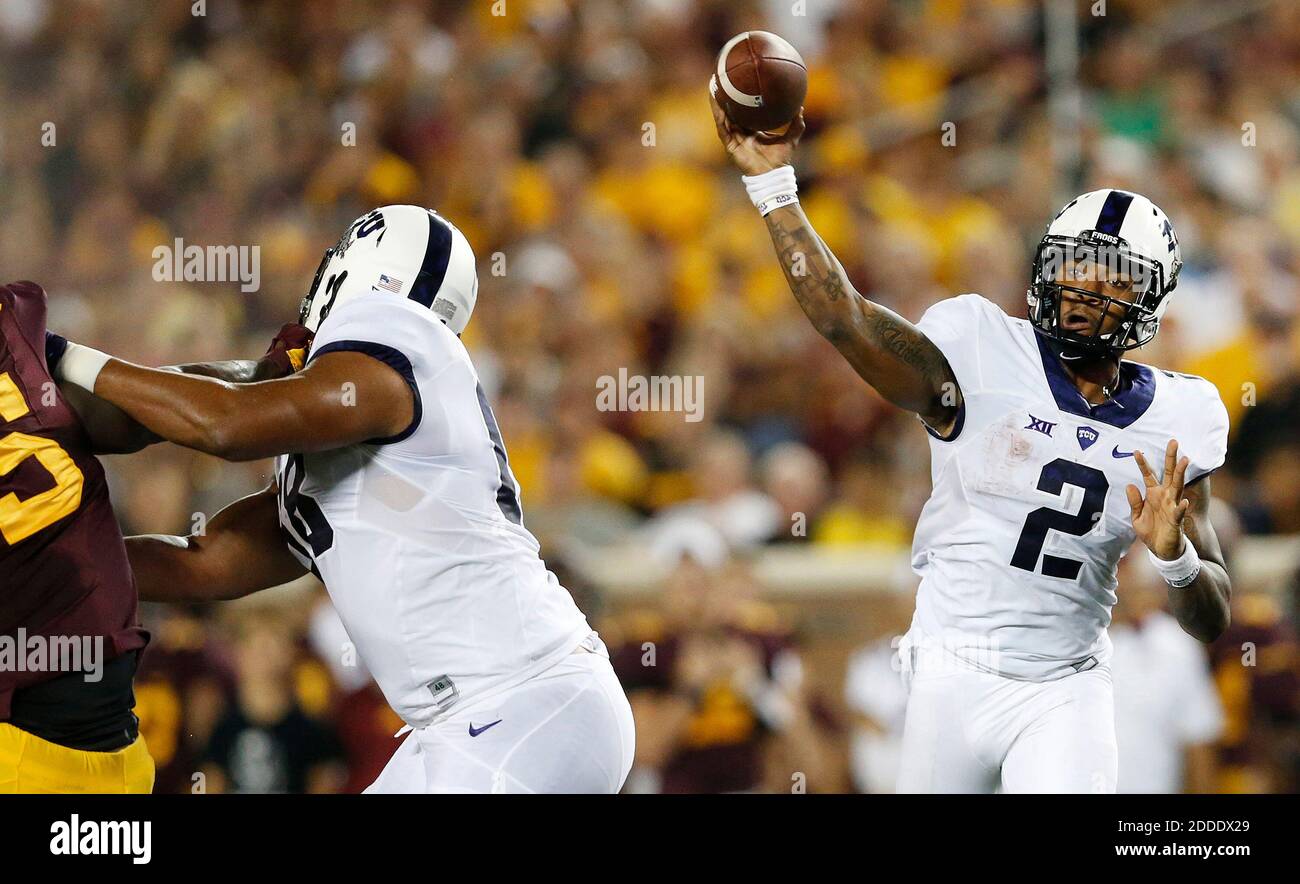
{"x": 408, "y": 251}
{"x": 1124, "y": 235}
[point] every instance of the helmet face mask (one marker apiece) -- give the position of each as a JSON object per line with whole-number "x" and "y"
{"x": 1062, "y": 261}
{"x": 1074, "y": 250}
{"x": 366, "y": 224}
{"x": 304, "y": 311}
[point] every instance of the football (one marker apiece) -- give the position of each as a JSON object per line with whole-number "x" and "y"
{"x": 760, "y": 81}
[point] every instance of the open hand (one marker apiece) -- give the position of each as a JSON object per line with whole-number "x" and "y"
{"x": 1158, "y": 517}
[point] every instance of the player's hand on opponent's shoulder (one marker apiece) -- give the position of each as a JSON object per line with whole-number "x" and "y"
{"x": 1158, "y": 516}
{"x": 287, "y": 353}
{"x": 754, "y": 153}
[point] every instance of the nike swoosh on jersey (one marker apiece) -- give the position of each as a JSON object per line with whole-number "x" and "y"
{"x": 475, "y": 731}
{"x": 1115, "y": 452}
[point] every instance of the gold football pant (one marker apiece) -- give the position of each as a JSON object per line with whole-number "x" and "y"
{"x": 31, "y": 765}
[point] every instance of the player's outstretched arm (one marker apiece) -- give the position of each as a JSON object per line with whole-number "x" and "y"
{"x": 287, "y": 353}
{"x": 339, "y": 399}
{"x": 109, "y": 428}
{"x": 886, "y": 350}
{"x": 241, "y": 551}
{"x": 1173, "y": 520}
{"x": 112, "y": 431}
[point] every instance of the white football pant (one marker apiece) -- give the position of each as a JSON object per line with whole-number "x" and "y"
{"x": 568, "y": 729}
{"x": 972, "y": 731}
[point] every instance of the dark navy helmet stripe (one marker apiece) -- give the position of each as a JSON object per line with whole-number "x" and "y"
{"x": 437, "y": 254}
{"x": 1113, "y": 211}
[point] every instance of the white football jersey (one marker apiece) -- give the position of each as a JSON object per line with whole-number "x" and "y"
{"x": 419, "y": 538}
{"x": 1018, "y": 545}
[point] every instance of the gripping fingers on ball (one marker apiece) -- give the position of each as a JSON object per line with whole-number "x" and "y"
{"x": 791, "y": 135}
{"x": 725, "y": 129}
{"x": 797, "y": 125}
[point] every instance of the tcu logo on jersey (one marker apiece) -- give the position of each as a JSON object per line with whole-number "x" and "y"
{"x": 1087, "y": 436}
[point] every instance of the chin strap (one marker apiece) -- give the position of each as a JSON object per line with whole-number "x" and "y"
{"x": 1067, "y": 351}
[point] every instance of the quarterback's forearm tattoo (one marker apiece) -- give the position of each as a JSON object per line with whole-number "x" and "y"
{"x": 1202, "y": 607}
{"x": 885, "y": 349}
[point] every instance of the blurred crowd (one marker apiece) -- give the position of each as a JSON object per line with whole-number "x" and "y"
{"x": 571, "y": 141}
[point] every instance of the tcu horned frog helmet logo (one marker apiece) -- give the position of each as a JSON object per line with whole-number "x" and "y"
{"x": 407, "y": 251}
{"x": 1123, "y": 236}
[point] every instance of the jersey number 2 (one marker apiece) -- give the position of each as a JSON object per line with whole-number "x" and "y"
{"x": 1053, "y": 479}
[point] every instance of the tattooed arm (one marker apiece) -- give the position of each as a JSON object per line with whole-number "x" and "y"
{"x": 887, "y": 351}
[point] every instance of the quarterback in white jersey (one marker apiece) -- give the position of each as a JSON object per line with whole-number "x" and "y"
{"x": 1018, "y": 544}
{"x": 393, "y": 487}
{"x": 1040, "y": 435}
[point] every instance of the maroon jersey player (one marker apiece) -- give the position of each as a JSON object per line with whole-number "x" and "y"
{"x": 63, "y": 565}
{"x": 66, "y": 720}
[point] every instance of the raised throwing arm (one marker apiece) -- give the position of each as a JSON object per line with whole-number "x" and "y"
{"x": 888, "y": 352}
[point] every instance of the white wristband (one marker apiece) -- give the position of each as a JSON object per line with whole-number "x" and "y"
{"x": 1181, "y": 571}
{"x": 772, "y": 190}
{"x": 81, "y": 366}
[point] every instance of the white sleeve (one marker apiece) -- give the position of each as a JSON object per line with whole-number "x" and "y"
{"x": 953, "y": 324}
{"x": 958, "y": 326}
{"x": 1206, "y": 445}
{"x": 399, "y": 333}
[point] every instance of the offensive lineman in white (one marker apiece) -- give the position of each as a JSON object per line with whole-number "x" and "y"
{"x": 393, "y": 487}
{"x": 1037, "y": 432}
